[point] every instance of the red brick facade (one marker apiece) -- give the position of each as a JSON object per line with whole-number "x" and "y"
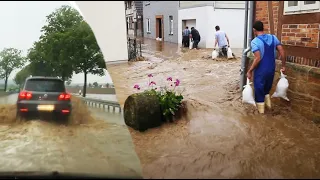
{"x": 305, "y": 35}
{"x": 301, "y": 39}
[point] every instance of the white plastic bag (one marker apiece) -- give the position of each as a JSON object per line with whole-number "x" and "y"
{"x": 247, "y": 94}
{"x": 191, "y": 44}
{"x": 214, "y": 54}
{"x": 229, "y": 53}
{"x": 282, "y": 87}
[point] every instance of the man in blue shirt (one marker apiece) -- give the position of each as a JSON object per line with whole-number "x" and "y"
{"x": 264, "y": 48}
{"x": 222, "y": 40}
{"x": 185, "y": 37}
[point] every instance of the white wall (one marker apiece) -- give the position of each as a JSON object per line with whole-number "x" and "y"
{"x": 191, "y": 23}
{"x": 200, "y": 15}
{"x": 109, "y": 27}
{"x": 230, "y": 21}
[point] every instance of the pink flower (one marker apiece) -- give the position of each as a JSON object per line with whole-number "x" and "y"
{"x": 136, "y": 86}
{"x": 177, "y": 83}
{"x": 169, "y": 79}
{"x": 152, "y": 83}
{"x": 150, "y": 75}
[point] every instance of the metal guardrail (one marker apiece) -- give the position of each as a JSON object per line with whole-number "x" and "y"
{"x": 104, "y": 103}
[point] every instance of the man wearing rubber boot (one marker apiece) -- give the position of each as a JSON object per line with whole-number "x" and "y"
{"x": 223, "y": 42}
{"x": 264, "y": 47}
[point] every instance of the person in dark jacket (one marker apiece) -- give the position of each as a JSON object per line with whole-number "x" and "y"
{"x": 195, "y": 37}
{"x": 185, "y": 37}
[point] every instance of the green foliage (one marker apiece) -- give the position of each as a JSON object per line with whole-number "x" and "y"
{"x": 87, "y": 55}
{"x": 95, "y": 84}
{"x": 11, "y": 59}
{"x": 39, "y": 66}
{"x": 66, "y": 46}
{"x": 22, "y": 75}
{"x": 170, "y": 101}
{"x": 61, "y": 20}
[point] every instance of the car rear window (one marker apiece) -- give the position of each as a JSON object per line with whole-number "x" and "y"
{"x": 45, "y": 85}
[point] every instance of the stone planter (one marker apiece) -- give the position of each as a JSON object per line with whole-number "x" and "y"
{"x": 142, "y": 111}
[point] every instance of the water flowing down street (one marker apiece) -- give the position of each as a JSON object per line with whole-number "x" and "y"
{"x": 218, "y": 137}
{"x": 100, "y": 145}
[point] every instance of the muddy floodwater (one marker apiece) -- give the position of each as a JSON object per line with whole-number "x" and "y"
{"x": 219, "y": 137}
{"x": 94, "y": 142}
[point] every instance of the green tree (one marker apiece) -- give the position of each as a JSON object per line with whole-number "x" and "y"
{"x": 95, "y": 84}
{"x": 58, "y": 54}
{"x": 61, "y": 20}
{"x": 22, "y": 75}
{"x": 87, "y": 57}
{"x": 11, "y": 59}
{"x": 39, "y": 66}
{"x": 55, "y": 39}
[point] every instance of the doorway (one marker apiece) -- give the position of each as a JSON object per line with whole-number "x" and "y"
{"x": 159, "y": 26}
{"x": 190, "y": 23}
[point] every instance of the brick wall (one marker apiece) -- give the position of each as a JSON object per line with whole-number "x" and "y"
{"x": 262, "y": 14}
{"x": 305, "y": 35}
{"x": 303, "y": 92}
{"x": 302, "y": 35}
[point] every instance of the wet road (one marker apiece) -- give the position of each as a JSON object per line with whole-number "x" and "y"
{"x": 219, "y": 137}
{"x": 100, "y": 145}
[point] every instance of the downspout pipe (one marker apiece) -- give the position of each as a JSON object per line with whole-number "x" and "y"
{"x": 245, "y": 42}
{"x": 247, "y": 38}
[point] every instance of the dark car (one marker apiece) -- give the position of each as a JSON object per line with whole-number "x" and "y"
{"x": 43, "y": 95}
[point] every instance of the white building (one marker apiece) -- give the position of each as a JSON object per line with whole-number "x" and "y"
{"x": 205, "y": 15}
{"x": 108, "y": 22}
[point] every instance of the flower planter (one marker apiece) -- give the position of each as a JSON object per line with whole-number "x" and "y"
{"x": 142, "y": 111}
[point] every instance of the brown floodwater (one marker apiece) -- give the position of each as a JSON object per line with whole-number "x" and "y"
{"x": 90, "y": 143}
{"x": 218, "y": 137}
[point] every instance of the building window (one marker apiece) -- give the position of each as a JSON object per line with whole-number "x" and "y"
{"x": 171, "y": 25}
{"x": 301, "y": 6}
{"x": 148, "y": 26}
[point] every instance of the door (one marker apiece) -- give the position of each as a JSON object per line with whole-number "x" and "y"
{"x": 159, "y": 27}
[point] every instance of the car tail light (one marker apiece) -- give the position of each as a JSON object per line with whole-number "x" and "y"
{"x": 25, "y": 95}
{"x": 64, "y": 97}
{"x": 65, "y": 111}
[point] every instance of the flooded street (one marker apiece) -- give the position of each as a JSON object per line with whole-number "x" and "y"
{"x": 219, "y": 137}
{"x": 99, "y": 145}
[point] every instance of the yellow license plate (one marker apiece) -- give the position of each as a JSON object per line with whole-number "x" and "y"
{"x": 45, "y": 107}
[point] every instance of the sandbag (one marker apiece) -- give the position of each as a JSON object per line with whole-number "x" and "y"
{"x": 214, "y": 54}
{"x": 191, "y": 44}
{"x": 142, "y": 111}
{"x": 282, "y": 87}
{"x": 229, "y": 53}
{"x": 247, "y": 94}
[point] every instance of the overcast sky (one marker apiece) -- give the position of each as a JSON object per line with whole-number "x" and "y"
{"x": 21, "y": 22}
